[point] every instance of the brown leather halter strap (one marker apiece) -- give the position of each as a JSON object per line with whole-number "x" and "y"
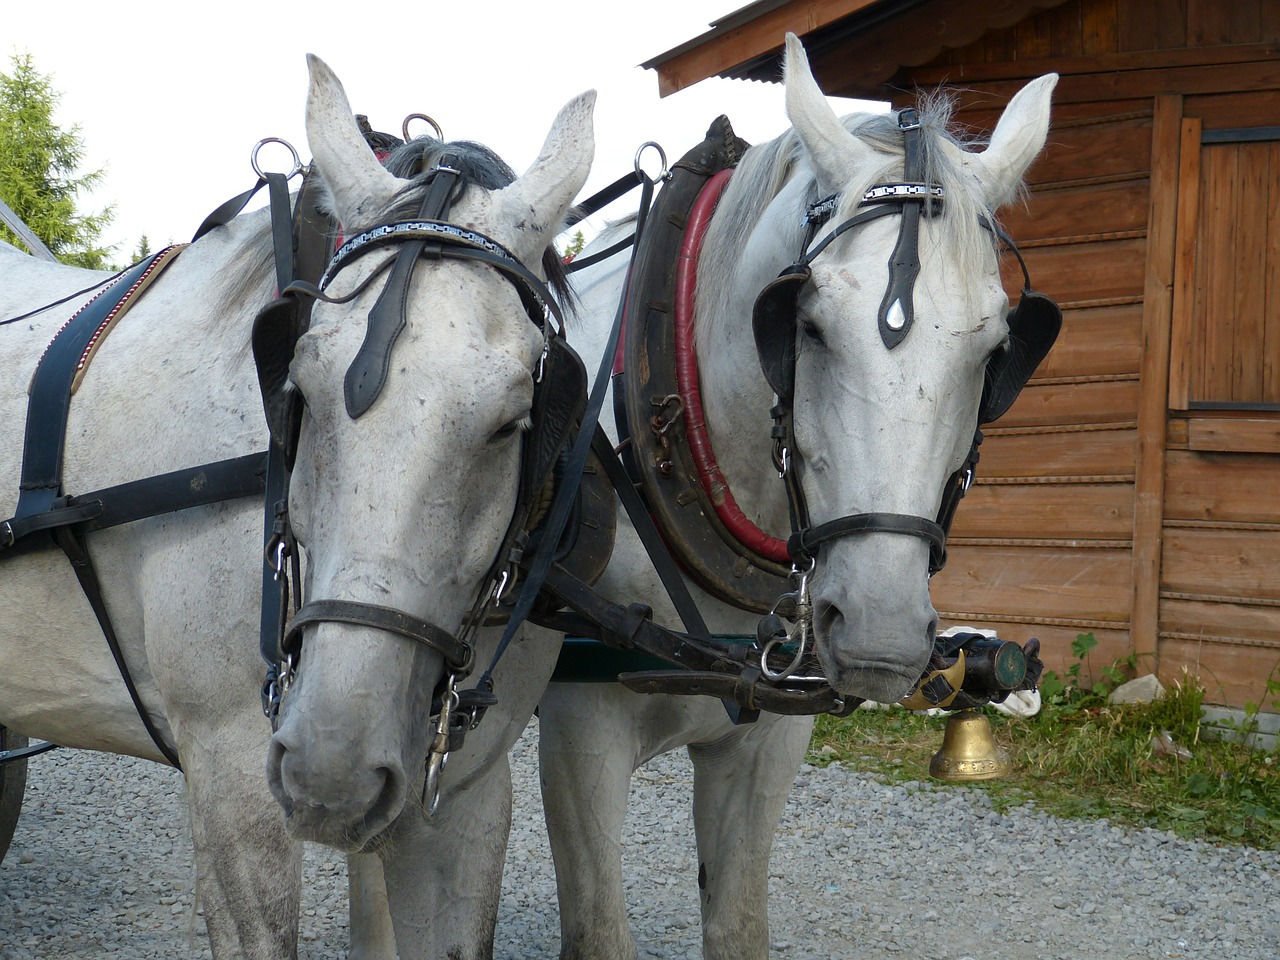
{"x": 458, "y": 656}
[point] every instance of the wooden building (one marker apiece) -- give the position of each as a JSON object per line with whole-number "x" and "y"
{"x": 1133, "y": 492}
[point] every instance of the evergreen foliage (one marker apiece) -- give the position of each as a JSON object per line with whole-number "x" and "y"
{"x": 38, "y": 169}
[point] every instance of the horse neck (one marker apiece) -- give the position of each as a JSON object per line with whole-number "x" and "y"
{"x": 735, "y": 396}
{"x": 231, "y": 271}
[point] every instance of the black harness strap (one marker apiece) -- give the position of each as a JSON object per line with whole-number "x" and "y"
{"x": 540, "y": 566}
{"x": 293, "y": 245}
{"x": 73, "y": 546}
{"x": 44, "y": 445}
{"x": 368, "y": 371}
{"x": 904, "y": 265}
{"x": 647, "y": 531}
{"x": 139, "y": 499}
{"x": 805, "y": 541}
{"x": 50, "y": 396}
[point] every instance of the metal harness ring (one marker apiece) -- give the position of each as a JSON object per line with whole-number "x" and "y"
{"x": 404, "y": 127}
{"x": 253, "y": 157}
{"x": 664, "y": 173}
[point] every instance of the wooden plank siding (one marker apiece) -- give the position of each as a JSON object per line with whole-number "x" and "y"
{"x": 1094, "y": 512}
{"x": 1221, "y": 487}
{"x": 1153, "y": 397}
{"x": 1228, "y": 294}
{"x": 1042, "y": 545}
{"x": 1133, "y": 491}
{"x": 1086, "y": 28}
{"x": 1080, "y": 511}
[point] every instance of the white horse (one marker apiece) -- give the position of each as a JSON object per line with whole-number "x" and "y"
{"x": 404, "y": 506}
{"x": 877, "y": 429}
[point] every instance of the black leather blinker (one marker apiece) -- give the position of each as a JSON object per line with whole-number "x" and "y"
{"x": 558, "y": 403}
{"x": 773, "y": 321}
{"x": 1034, "y": 325}
{"x": 276, "y": 330}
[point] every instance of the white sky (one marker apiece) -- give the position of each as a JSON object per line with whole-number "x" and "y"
{"x": 170, "y": 99}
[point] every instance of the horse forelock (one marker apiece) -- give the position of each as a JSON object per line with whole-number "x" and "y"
{"x": 767, "y": 168}
{"x": 964, "y": 203}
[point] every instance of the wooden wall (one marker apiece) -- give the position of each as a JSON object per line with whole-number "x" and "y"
{"x": 1133, "y": 491}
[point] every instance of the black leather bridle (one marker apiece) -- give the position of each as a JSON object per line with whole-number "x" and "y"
{"x": 1033, "y": 327}
{"x": 558, "y": 396}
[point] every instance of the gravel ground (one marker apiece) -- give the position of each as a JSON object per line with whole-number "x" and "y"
{"x": 101, "y": 867}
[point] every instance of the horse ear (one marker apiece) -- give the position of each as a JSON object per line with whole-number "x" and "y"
{"x": 355, "y": 178}
{"x": 537, "y": 202}
{"x": 1018, "y": 138}
{"x": 834, "y": 152}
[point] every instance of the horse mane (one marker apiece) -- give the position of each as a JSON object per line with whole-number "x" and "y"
{"x": 416, "y": 160}
{"x": 768, "y": 167}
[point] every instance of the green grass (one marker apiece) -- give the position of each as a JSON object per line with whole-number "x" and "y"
{"x": 1081, "y": 757}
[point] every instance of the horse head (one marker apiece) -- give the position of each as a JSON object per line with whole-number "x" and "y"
{"x": 876, "y": 340}
{"x": 418, "y": 378}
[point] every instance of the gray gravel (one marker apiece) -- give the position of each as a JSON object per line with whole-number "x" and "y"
{"x": 101, "y": 867}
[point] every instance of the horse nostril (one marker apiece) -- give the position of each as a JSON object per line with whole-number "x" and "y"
{"x": 828, "y": 618}
{"x": 276, "y": 755}
{"x": 390, "y": 797}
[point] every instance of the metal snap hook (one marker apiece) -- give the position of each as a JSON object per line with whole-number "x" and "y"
{"x": 253, "y": 157}
{"x": 501, "y": 587}
{"x": 800, "y": 635}
{"x": 664, "y": 174}
{"x": 404, "y": 127}
{"x": 801, "y": 632}
{"x": 282, "y": 551}
{"x": 438, "y": 752}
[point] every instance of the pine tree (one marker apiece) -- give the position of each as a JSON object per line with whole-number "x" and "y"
{"x": 38, "y": 166}
{"x": 575, "y": 245}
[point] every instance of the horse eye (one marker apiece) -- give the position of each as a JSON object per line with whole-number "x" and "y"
{"x": 509, "y": 429}
{"x": 811, "y": 331}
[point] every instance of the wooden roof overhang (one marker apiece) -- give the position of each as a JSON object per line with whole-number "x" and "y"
{"x": 889, "y": 35}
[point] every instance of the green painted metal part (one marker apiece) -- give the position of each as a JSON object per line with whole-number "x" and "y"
{"x": 584, "y": 660}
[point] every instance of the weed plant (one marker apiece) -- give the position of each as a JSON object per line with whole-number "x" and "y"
{"x": 1080, "y": 756}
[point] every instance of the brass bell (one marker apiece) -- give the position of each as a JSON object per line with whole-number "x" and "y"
{"x": 969, "y": 750}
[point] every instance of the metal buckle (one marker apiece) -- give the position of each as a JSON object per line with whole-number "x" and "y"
{"x": 820, "y": 211}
